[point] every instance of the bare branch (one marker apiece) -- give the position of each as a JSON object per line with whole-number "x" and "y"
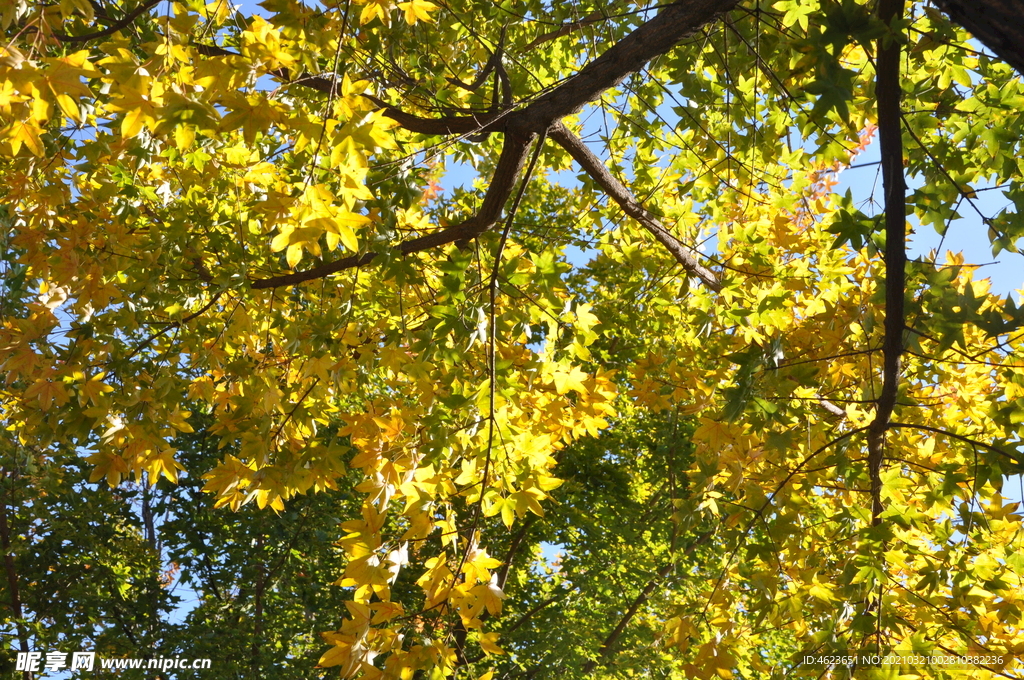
{"x": 830, "y": 407}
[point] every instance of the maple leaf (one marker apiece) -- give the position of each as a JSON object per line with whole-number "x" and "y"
{"x": 64, "y": 80}
{"x": 228, "y": 475}
{"x": 490, "y": 595}
{"x": 9, "y": 95}
{"x": 163, "y": 463}
{"x": 368, "y": 576}
{"x": 417, "y": 10}
{"x": 107, "y": 465}
{"x": 140, "y": 110}
{"x": 573, "y": 379}
{"x": 489, "y": 643}
{"x": 437, "y": 579}
{"x": 23, "y": 133}
{"x": 92, "y": 390}
{"x": 376, "y": 9}
{"x": 47, "y": 393}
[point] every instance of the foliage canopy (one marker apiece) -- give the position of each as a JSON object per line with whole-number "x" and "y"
{"x": 649, "y": 334}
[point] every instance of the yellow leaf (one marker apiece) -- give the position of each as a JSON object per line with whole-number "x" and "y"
{"x": 184, "y": 136}
{"x": 282, "y": 240}
{"x": 177, "y": 420}
{"x": 46, "y": 392}
{"x": 25, "y": 133}
{"x": 375, "y": 9}
{"x": 508, "y": 508}
{"x": 93, "y": 389}
{"x": 163, "y": 463}
{"x": 489, "y": 643}
{"x": 265, "y": 497}
{"x": 9, "y": 95}
{"x": 570, "y": 380}
{"x": 108, "y": 465}
{"x": 139, "y": 111}
{"x": 385, "y": 611}
{"x": 348, "y": 238}
{"x": 417, "y": 10}
{"x": 335, "y": 656}
{"x": 490, "y": 595}
{"x": 822, "y": 592}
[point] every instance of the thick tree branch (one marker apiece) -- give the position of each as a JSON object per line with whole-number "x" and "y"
{"x": 652, "y": 39}
{"x": 510, "y": 165}
{"x": 998, "y": 24}
{"x": 888, "y": 94}
{"x": 593, "y": 166}
{"x": 447, "y": 125}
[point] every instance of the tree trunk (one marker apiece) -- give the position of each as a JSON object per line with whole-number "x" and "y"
{"x": 998, "y": 24}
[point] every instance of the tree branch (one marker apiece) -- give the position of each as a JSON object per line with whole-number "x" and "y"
{"x": 525, "y": 617}
{"x": 652, "y": 39}
{"x": 174, "y": 324}
{"x": 830, "y": 407}
{"x": 12, "y": 571}
{"x": 961, "y": 438}
{"x": 126, "y": 20}
{"x": 888, "y": 94}
{"x": 593, "y": 166}
{"x": 517, "y": 542}
{"x": 671, "y": 26}
{"x": 567, "y": 28}
{"x": 614, "y": 636}
{"x": 606, "y": 647}
{"x": 996, "y": 23}
{"x": 447, "y": 125}
{"x": 510, "y": 165}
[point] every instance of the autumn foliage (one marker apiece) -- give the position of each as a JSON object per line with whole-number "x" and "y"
{"x": 649, "y": 336}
